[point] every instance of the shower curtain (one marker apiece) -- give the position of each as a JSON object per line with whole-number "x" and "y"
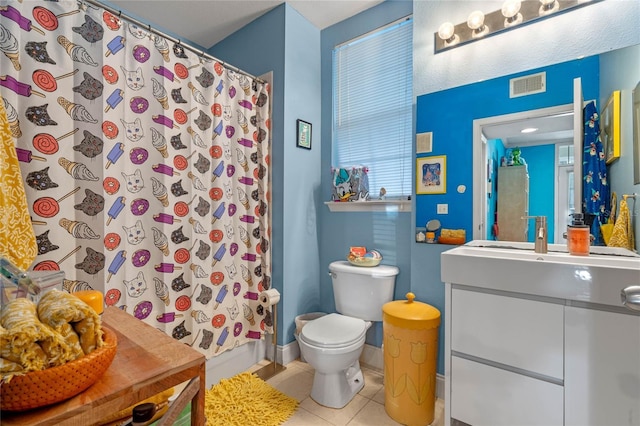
{"x": 595, "y": 189}
{"x": 146, "y": 169}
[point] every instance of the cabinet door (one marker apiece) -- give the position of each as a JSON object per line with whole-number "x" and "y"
{"x": 484, "y": 395}
{"x": 602, "y": 368}
{"x": 525, "y": 334}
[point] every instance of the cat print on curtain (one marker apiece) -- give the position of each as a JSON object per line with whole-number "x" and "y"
{"x": 146, "y": 170}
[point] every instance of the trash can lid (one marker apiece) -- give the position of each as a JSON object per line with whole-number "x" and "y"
{"x": 410, "y": 314}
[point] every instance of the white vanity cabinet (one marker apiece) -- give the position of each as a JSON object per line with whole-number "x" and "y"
{"x": 506, "y": 360}
{"x": 517, "y": 359}
{"x": 601, "y": 348}
{"x": 539, "y": 339}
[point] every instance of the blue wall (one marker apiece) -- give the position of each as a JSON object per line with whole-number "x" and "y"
{"x": 284, "y": 42}
{"x": 387, "y": 232}
{"x": 541, "y": 162}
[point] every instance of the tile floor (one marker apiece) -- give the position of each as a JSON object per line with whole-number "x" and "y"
{"x": 366, "y": 408}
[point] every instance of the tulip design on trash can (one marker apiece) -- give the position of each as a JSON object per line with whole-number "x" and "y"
{"x": 397, "y": 386}
{"x": 424, "y": 387}
{"x": 400, "y": 382}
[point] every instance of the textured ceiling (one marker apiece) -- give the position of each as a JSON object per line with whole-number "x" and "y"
{"x": 206, "y": 22}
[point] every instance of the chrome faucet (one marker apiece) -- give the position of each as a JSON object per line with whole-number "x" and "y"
{"x": 540, "y": 239}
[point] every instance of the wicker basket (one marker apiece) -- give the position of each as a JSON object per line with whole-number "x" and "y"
{"x": 44, "y": 387}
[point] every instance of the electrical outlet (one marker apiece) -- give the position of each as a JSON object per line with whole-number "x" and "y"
{"x": 443, "y": 208}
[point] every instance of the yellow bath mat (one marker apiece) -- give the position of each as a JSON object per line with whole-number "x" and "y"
{"x": 245, "y": 399}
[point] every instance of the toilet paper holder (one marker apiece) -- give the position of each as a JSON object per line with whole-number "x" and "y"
{"x": 270, "y": 298}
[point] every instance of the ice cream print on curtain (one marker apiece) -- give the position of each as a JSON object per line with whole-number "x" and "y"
{"x": 145, "y": 167}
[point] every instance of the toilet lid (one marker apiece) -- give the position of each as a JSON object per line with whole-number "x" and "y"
{"x": 333, "y": 330}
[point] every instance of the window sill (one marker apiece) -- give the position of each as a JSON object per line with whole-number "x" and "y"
{"x": 400, "y": 206}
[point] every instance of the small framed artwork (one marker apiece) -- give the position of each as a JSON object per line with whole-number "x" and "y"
{"x": 636, "y": 133}
{"x": 304, "y": 134}
{"x": 431, "y": 175}
{"x": 610, "y": 128}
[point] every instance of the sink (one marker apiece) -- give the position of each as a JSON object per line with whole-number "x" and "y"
{"x": 612, "y": 257}
{"x": 515, "y": 267}
{"x": 556, "y": 248}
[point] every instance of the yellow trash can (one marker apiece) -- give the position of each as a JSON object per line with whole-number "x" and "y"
{"x": 410, "y": 341}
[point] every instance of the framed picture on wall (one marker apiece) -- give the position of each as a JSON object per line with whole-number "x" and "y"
{"x": 431, "y": 175}
{"x": 610, "y": 128}
{"x": 303, "y": 130}
{"x": 635, "y": 113}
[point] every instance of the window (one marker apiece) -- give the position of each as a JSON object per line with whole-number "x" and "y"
{"x": 372, "y": 106}
{"x": 565, "y": 155}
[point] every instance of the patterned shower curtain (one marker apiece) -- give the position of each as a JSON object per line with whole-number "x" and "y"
{"x": 146, "y": 169}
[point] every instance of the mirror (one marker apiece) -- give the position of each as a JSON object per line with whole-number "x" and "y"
{"x": 547, "y": 193}
{"x": 543, "y": 186}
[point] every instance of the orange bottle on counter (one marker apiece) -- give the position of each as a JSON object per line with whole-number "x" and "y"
{"x": 578, "y": 236}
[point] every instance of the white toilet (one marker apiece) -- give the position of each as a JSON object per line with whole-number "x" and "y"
{"x": 332, "y": 344}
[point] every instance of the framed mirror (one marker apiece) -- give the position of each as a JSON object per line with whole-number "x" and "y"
{"x": 542, "y": 186}
{"x": 450, "y": 114}
{"x": 557, "y": 193}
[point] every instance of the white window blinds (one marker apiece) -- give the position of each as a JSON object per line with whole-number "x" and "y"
{"x": 372, "y": 106}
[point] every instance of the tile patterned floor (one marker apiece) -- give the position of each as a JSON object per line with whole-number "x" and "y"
{"x": 366, "y": 408}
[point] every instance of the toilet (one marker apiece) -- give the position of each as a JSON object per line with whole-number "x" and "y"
{"x": 332, "y": 344}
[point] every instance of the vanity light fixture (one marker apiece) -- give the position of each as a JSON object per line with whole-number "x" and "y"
{"x": 529, "y": 130}
{"x": 513, "y": 14}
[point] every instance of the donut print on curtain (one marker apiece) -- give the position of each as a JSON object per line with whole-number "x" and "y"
{"x": 146, "y": 169}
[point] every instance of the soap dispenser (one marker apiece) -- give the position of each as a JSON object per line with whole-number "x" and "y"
{"x": 578, "y": 238}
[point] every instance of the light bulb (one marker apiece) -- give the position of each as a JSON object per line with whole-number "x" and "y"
{"x": 475, "y": 20}
{"x": 476, "y": 23}
{"x": 447, "y": 33}
{"x": 511, "y": 12}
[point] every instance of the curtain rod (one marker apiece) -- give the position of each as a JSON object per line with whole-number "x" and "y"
{"x": 200, "y": 53}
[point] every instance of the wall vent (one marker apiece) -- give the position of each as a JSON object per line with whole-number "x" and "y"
{"x": 528, "y": 85}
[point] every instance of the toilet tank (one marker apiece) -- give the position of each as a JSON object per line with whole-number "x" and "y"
{"x": 360, "y": 292}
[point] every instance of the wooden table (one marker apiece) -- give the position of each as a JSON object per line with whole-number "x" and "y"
{"x": 147, "y": 362}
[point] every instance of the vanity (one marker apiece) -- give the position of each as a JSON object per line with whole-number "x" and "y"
{"x": 541, "y": 339}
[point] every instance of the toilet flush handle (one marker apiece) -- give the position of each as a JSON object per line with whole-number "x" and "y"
{"x": 332, "y": 275}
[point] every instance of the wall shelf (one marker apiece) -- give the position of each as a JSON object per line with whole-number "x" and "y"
{"x": 400, "y": 206}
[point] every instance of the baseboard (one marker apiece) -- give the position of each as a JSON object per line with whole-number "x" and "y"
{"x": 372, "y": 357}
{"x": 289, "y": 352}
{"x": 440, "y": 386}
{"x": 235, "y": 361}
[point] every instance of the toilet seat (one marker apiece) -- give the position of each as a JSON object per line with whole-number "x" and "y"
{"x": 333, "y": 331}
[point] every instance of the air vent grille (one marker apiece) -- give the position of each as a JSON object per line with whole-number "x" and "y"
{"x": 528, "y": 85}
